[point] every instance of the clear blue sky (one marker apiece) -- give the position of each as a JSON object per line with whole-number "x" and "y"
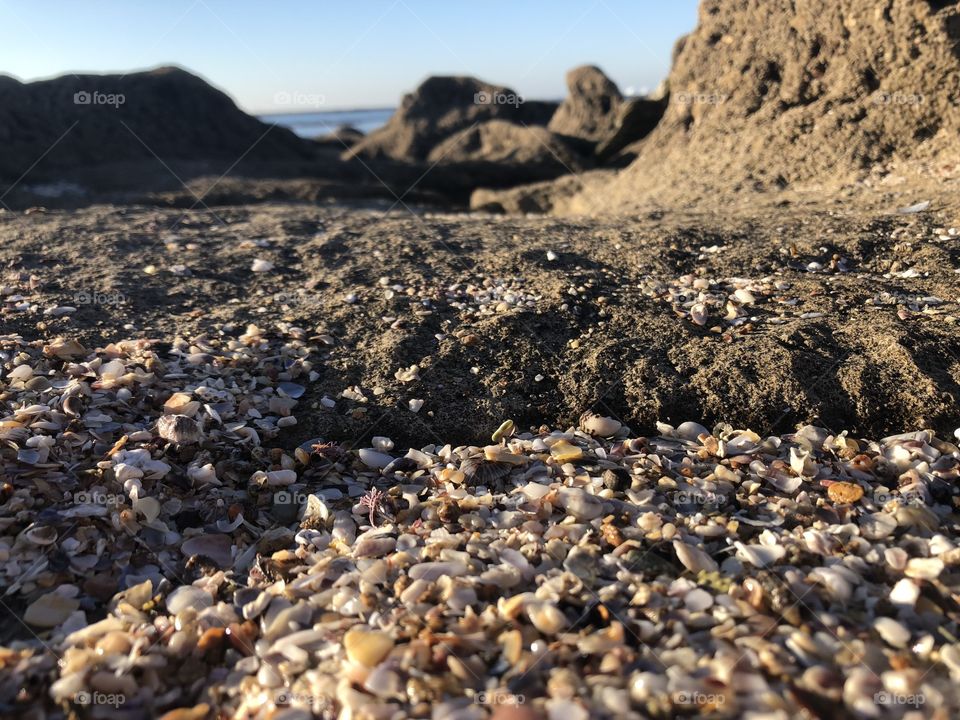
{"x": 345, "y": 54}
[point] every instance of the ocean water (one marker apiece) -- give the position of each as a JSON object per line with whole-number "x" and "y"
{"x": 313, "y": 124}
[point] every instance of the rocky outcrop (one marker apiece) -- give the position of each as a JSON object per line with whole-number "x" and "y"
{"x": 807, "y": 96}
{"x": 499, "y": 153}
{"x": 342, "y": 137}
{"x": 589, "y": 112}
{"x": 85, "y": 121}
{"x": 441, "y": 107}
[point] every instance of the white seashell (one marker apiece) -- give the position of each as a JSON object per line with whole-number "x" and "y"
{"x": 892, "y": 632}
{"x": 759, "y": 555}
{"x": 691, "y": 431}
{"x": 693, "y": 558}
{"x": 698, "y": 314}
{"x": 905, "y": 593}
{"x": 581, "y": 505}
{"x": 178, "y": 429}
{"x": 924, "y": 568}
{"x": 373, "y": 459}
{"x": 546, "y": 618}
{"x": 382, "y": 444}
{"x": 599, "y": 425}
{"x": 203, "y": 475}
{"x": 188, "y": 596}
{"x": 431, "y": 571}
{"x": 744, "y": 297}
{"x": 698, "y": 600}
{"x": 260, "y": 265}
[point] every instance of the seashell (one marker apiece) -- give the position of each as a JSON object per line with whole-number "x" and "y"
{"x": 745, "y": 297}
{"x": 373, "y": 459}
{"x": 564, "y": 451}
{"x": 367, "y": 647}
{"x": 691, "y": 431}
{"x": 924, "y": 568}
{"x": 50, "y": 610}
{"x": 892, "y": 632}
{"x": 260, "y": 265}
{"x": 546, "y": 618}
{"x": 504, "y": 431}
{"x": 698, "y": 600}
{"x": 598, "y": 425}
{"x": 905, "y": 593}
{"x": 844, "y": 493}
{"x": 41, "y": 535}
{"x": 694, "y": 559}
{"x": 579, "y": 504}
{"x": 759, "y": 555}
{"x": 877, "y": 526}
{"x": 178, "y": 429}
{"x": 431, "y": 571}
{"x": 382, "y": 444}
{"x": 188, "y": 596}
{"x": 699, "y": 314}
{"x": 65, "y": 349}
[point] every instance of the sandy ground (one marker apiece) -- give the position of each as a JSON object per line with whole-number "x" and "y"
{"x": 844, "y": 330}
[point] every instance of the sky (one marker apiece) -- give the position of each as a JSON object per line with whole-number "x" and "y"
{"x": 290, "y": 56}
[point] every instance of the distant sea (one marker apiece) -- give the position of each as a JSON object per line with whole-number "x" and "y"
{"x": 313, "y": 124}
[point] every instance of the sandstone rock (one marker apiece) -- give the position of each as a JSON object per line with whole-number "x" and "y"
{"x": 779, "y": 95}
{"x": 440, "y": 107}
{"x": 591, "y": 108}
{"x": 500, "y": 153}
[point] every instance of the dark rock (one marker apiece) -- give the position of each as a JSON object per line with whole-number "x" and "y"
{"x": 590, "y": 110}
{"x": 342, "y": 137}
{"x": 440, "y": 107}
{"x": 635, "y": 120}
{"x": 498, "y": 153}
{"x": 160, "y": 116}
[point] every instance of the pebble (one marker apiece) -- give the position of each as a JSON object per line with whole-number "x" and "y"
{"x": 367, "y": 647}
{"x": 50, "y": 610}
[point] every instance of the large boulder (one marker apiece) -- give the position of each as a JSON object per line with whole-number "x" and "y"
{"x": 811, "y": 96}
{"x": 589, "y": 112}
{"x": 499, "y": 153}
{"x": 440, "y": 107}
{"x": 85, "y": 121}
